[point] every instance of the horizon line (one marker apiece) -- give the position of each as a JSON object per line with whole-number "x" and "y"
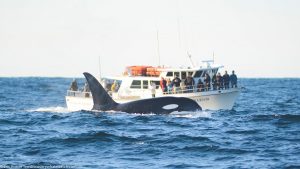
{"x": 243, "y": 77}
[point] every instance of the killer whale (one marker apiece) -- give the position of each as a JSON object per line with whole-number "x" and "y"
{"x": 160, "y": 105}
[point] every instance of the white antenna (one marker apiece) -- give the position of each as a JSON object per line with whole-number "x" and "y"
{"x": 213, "y": 56}
{"x": 158, "y": 52}
{"x": 99, "y": 67}
{"x": 190, "y": 58}
{"x": 178, "y": 24}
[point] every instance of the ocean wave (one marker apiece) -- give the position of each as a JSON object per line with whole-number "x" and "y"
{"x": 56, "y": 109}
{"x": 184, "y": 165}
{"x": 192, "y": 115}
{"x": 202, "y": 148}
{"x": 284, "y": 117}
{"x": 183, "y": 114}
{"x": 91, "y": 137}
{"x": 250, "y": 132}
{"x": 214, "y": 148}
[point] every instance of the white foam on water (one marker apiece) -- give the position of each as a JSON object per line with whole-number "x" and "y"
{"x": 56, "y": 109}
{"x": 193, "y": 115}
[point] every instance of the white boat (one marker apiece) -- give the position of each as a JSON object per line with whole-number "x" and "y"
{"x": 135, "y": 85}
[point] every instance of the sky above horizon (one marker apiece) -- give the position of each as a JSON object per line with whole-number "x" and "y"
{"x": 257, "y": 38}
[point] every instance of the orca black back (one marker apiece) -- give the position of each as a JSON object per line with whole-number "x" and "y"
{"x": 159, "y": 105}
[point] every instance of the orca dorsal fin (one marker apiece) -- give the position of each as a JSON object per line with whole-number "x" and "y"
{"x": 102, "y": 100}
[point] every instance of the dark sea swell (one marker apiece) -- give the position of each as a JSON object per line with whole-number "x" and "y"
{"x": 36, "y": 129}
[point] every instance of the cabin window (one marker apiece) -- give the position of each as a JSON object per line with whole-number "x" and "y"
{"x": 170, "y": 74}
{"x": 198, "y": 73}
{"x": 183, "y": 75}
{"x": 176, "y": 74}
{"x": 145, "y": 84}
{"x": 136, "y": 84}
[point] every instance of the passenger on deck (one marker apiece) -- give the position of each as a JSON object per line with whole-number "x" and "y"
{"x": 169, "y": 86}
{"x": 214, "y": 82}
{"x": 226, "y": 80}
{"x": 104, "y": 83}
{"x": 176, "y": 83}
{"x": 189, "y": 83}
{"x": 163, "y": 85}
{"x": 115, "y": 86}
{"x": 233, "y": 80}
{"x": 207, "y": 82}
{"x": 152, "y": 87}
{"x": 182, "y": 87}
{"x": 74, "y": 86}
{"x": 219, "y": 81}
{"x": 200, "y": 86}
{"x": 86, "y": 89}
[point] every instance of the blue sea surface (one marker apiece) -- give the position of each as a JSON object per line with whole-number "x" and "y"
{"x": 37, "y": 130}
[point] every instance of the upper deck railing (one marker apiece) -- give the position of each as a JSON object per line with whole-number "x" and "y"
{"x": 173, "y": 90}
{"x": 196, "y": 89}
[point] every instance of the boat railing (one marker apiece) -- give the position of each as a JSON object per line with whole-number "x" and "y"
{"x": 196, "y": 89}
{"x": 79, "y": 93}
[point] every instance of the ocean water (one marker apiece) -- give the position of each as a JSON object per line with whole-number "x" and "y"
{"x": 37, "y": 130}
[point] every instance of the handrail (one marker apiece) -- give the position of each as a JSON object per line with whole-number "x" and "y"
{"x": 78, "y": 93}
{"x": 195, "y": 89}
{"x": 174, "y": 90}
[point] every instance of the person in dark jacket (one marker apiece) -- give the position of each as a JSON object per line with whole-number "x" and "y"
{"x": 233, "y": 80}
{"x": 74, "y": 86}
{"x": 200, "y": 86}
{"x": 176, "y": 81}
{"x": 207, "y": 81}
{"x": 176, "y": 84}
{"x": 214, "y": 82}
{"x": 219, "y": 81}
{"x": 226, "y": 80}
{"x": 189, "y": 83}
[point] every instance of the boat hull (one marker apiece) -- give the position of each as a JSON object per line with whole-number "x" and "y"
{"x": 208, "y": 100}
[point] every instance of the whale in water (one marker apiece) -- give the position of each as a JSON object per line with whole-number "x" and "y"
{"x": 159, "y": 105}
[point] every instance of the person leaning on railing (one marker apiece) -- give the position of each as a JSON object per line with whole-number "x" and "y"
{"x": 189, "y": 83}
{"x": 183, "y": 87}
{"x": 200, "y": 86}
{"x": 219, "y": 81}
{"x": 226, "y": 80}
{"x": 214, "y": 82}
{"x": 176, "y": 84}
{"x": 163, "y": 85}
{"x": 233, "y": 80}
{"x": 86, "y": 90}
{"x": 152, "y": 88}
{"x": 169, "y": 86}
{"x": 115, "y": 86}
{"x": 207, "y": 82}
{"x": 73, "y": 87}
